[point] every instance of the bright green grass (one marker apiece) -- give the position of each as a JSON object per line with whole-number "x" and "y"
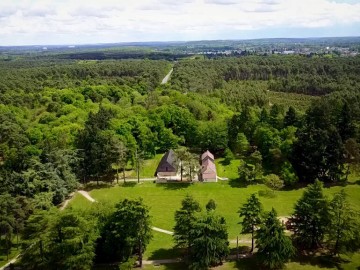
{"x": 148, "y": 169}
{"x": 165, "y": 199}
{"x": 161, "y": 247}
{"x": 229, "y": 171}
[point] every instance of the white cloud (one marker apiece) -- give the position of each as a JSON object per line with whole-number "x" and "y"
{"x": 67, "y": 21}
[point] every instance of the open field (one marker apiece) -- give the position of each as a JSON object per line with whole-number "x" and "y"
{"x": 165, "y": 199}
{"x": 148, "y": 169}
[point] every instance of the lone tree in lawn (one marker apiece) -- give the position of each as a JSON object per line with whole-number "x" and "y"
{"x": 343, "y": 232}
{"x": 274, "y": 247}
{"x": 128, "y": 231}
{"x": 311, "y": 217}
{"x": 251, "y": 214}
{"x": 184, "y": 219}
{"x": 208, "y": 240}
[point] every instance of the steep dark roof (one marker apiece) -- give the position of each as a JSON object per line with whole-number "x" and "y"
{"x": 169, "y": 158}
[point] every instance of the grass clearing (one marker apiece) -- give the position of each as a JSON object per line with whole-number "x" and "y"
{"x": 165, "y": 199}
{"x": 148, "y": 169}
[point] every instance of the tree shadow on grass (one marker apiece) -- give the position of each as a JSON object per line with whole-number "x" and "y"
{"x": 93, "y": 185}
{"x": 321, "y": 260}
{"x": 173, "y": 266}
{"x": 238, "y": 183}
{"x": 128, "y": 184}
{"x": 174, "y": 186}
{"x": 168, "y": 253}
{"x": 243, "y": 250}
{"x": 106, "y": 267}
{"x": 247, "y": 263}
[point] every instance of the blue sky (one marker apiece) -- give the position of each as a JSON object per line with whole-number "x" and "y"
{"x": 37, "y": 22}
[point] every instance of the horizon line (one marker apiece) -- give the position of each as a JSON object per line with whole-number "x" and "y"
{"x": 172, "y": 41}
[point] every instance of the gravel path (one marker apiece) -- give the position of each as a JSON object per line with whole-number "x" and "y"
{"x": 161, "y": 230}
{"x": 87, "y": 195}
{"x": 167, "y": 77}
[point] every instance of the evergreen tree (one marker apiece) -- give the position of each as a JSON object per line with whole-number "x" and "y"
{"x": 290, "y": 118}
{"x": 274, "y": 247}
{"x": 311, "y": 217}
{"x": 251, "y": 214}
{"x": 343, "y": 232}
{"x": 208, "y": 240}
{"x": 211, "y": 205}
{"x": 127, "y": 231}
{"x": 345, "y": 123}
{"x": 184, "y": 219}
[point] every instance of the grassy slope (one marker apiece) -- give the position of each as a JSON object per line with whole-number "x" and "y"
{"x": 148, "y": 169}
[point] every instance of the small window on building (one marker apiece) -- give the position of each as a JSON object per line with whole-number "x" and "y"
{"x": 166, "y": 168}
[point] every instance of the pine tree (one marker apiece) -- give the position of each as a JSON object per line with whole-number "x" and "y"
{"x": 183, "y": 219}
{"x": 343, "y": 233}
{"x": 208, "y": 240}
{"x": 251, "y": 213}
{"x": 274, "y": 247}
{"x": 311, "y": 217}
{"x": 290, "y": 118}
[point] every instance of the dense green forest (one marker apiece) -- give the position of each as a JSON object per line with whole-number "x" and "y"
{"x": 67, "y": 122}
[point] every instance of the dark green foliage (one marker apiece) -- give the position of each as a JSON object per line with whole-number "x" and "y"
{"x": 343, "y": 232}
{"x": 290, "y": 118}
{"x": 251, "y": 169}
{"x": 345, "y": 123}
{"x": 127, "y": 232}
{"x": 184, "y": 219}
{"x": 208, "y": 240}
{"x": 13, "y": 214}
{"x": 274, "y": 247}
{"x": 59, "y": 241}
{"x": 310, "y": 219}
{"x": 211, "y": 205}
{"x": 228, "y": 156}
{"x": 96, "y": 146}
{"x": 318, "y": 152}
{"x": 251, "y": 213}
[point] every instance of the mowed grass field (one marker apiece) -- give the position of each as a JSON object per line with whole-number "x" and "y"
{"x": 165, "y": 199}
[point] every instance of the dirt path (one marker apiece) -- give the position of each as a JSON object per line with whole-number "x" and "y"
{"x": 167, "y": 77}
{"x": 164, "y": 261}
{"x": 162, "y": 231}
{"x": 86, "y": 195}
{"x": 6, "y": 266}
{"x": 66, "y": 202}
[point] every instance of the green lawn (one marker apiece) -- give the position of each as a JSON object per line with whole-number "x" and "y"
{"x": 148, "y": 169}
{"x": 165, "y": 199}
{"x": 230, "y": 171}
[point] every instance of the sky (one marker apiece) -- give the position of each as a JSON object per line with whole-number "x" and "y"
{"x": 71, "y": 22}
